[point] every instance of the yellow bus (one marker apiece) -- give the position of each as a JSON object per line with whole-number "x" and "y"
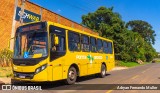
{"x": 47, "y": 51}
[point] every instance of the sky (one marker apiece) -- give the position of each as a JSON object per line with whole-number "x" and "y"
{"x": 147, "y": 10}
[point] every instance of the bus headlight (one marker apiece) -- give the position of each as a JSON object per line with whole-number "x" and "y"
{"x": 40, "y": 68}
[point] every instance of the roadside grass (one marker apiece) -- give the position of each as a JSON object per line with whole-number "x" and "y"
{"x": 5, "y": 71}
{"x": 158, "y": 60}
{"x": 129, "y": 64}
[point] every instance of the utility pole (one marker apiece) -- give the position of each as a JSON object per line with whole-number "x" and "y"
{"x": 11, "y": 41}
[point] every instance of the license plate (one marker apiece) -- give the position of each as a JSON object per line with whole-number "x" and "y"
{"x": 21, "y": 76}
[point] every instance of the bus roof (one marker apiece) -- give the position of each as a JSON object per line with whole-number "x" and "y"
{"x": 78, "y": 31}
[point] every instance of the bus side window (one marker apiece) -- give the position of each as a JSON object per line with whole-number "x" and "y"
{"x": 105, "y": 47}
{"x": 93, "y": 44}
{"x": 73, "y": 41}
{"x": 99, "y": 46}
{"x": 109, "y": 47}
{"x": 85, "y": 43}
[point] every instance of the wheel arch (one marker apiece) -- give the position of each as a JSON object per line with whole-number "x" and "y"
{"x": 76, "y": 67}
{"x": 105, "y": 65}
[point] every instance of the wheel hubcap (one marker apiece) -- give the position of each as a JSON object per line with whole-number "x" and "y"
{"x": 103, "y": 72}
{"x": 71, "y": 75}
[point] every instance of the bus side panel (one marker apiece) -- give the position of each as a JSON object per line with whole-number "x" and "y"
{"x": 57, "y": 69}
{"x": 69, "y": 60}
{"x": 98, "y": 60}
{"x": 65, "y": 71}
{"x": 75, "y": 58}
{"x": 50, "y": 74}
{"x": 110, "y": 62}
{"x": 83, "y": 69}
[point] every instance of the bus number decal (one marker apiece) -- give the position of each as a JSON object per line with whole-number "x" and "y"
{"x": 81, "y": 57}
{"x": 98, "y": 57}
{"x": 88, "y": 56}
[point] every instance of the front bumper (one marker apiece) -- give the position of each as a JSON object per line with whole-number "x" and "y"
{"x": 30, "y": 76}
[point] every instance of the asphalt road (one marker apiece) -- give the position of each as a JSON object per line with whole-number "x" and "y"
{"x": 145, "y": 74}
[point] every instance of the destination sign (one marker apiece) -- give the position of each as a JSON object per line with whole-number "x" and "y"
{"x": 31, "y": 27}
{"x": 39, "y": 26}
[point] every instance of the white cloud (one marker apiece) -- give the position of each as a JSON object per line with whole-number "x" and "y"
{"x": 59, "y": 10}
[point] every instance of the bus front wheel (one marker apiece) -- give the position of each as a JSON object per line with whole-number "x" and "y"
{"x": 72, "y": 75}
{"x": 102, "y": 74}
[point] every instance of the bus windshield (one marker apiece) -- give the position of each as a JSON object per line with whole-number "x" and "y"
{"x": 31, "y": 44}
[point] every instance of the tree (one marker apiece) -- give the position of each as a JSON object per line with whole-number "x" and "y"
{"x": 134, "y": 46}
{"x": 150, "y": 52}
{"x": 143, "y": 28}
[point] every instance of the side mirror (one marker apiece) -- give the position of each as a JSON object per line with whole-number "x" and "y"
{"x": 56, "y": 40}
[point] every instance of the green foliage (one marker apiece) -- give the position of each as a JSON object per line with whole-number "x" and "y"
{"x": 150, "y": 52}
{"x": 6, "y": 72}
{"x": 125, "y": 56}
{"x": 158, "y": 54}
{"x": 157, "y": 60}
{"x": 128, "y": 64}
{"x": 5, "y": 57}
{"x": 143, "y": 28}
{"x": 132, "y": 41}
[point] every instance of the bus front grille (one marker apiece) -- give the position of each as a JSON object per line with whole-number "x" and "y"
{"x": 24, "y": 75}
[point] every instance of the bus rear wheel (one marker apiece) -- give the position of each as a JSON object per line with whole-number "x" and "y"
{"x": 72, "y": 76}
{"x": 102, "y": 74}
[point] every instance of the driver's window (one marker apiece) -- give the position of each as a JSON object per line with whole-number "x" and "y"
{"x": 61, "y": 46}
{"x": 57, "y": 49}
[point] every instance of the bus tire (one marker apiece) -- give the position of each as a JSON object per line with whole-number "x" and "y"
{"x": 71, "y": 76}
{"x": 102, "y": 74}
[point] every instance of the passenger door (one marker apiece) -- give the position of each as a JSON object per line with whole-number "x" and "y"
{"x": 57, "y": 51}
